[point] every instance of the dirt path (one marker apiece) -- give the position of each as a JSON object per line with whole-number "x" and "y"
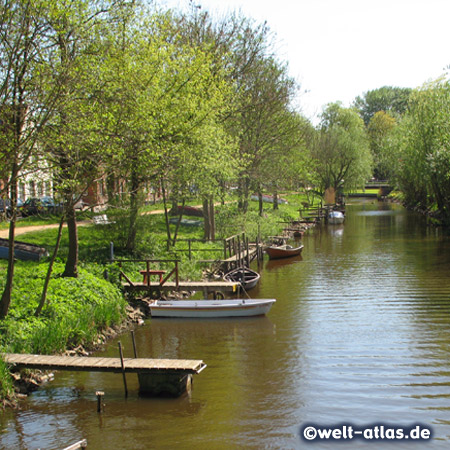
{"x": 22, "y": 230}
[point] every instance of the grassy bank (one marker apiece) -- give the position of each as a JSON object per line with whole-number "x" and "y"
{"x": 77, "y": 310}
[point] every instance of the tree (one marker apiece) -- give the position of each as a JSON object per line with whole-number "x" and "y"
{"x": 168, "y": 97}
{"x": 379, "y": 130}
{"x": 26, "y": 102}
{"x": 340, "y": 150}
{"x": 423, "y": 171}
{"x": 392, "y": 100}
{"x": 74, "y": 141}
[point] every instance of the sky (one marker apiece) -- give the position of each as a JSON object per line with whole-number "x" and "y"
{"x": 340, "y": 49}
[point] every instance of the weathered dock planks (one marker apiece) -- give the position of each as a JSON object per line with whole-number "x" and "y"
{"x": 96, "y": 364}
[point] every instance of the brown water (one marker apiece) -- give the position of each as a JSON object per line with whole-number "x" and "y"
{"x": 360, "y": 333}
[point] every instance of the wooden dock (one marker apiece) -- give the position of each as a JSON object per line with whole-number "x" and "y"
{"x": 98, "y": 364}
{"x": 156, "y": 376}
{"x": 170, "y": 286}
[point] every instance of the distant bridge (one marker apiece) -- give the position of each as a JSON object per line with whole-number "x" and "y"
{"x": 383, "y": 186}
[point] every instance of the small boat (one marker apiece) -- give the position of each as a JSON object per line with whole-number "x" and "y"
{"x": 210, "y": 308}
{"x": 22, "y": 250}
{"x": 335, "y": 217}
{"x": 283, "y": 251}
{"x": 247, "y": 277}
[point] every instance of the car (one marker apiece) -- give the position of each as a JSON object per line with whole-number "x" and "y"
{"x": 42, "y": 205}
{"x": 5, "y": 206}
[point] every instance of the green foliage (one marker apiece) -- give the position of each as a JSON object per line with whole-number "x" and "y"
{"x": 423, "y": 152}
{"x": 392, "y": 100}
{"x": 379, "y": 130}
{"x": 340, "y": 150}
{"x": 6, "y": 383}
{"x": 77, "y": 310}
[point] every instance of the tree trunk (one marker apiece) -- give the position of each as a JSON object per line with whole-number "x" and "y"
{"x": 260, "y": 203}
{"x": 206, "y": 219}
{"x": 6, "y": 296}
{"x": 180, "y": 216}
{"x": 49, "y": 270}
{"x": 134, "y": 211}
{"x": 212, "y": 220}
{"x": 71, "y": 268}
{"x": 166, "y": 213}
{"x": 275, "y": 199}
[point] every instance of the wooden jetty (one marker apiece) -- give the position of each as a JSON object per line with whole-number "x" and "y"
{"x": 156, "y": 376}
{"x": 154, "y": 288}
{"x": 236, "y": 251}
{"x": 170, "y": 286}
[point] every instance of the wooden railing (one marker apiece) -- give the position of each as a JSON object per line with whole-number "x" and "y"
{"x": 150, "y": 271}
{"x": 189, "y": 250}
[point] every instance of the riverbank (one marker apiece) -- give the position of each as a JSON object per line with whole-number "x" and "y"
{"x": 79, "y": 313}
{"x": 83, "y": 314}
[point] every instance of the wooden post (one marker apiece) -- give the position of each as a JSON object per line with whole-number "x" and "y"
{"x": 123, "y": 369}
{"x": 248, "y": 251}
{"x": 148, "y": 272}
{"x": 134, "y": 343}
{"x": 238, "y": 256}
{"x": 99, "y": 395}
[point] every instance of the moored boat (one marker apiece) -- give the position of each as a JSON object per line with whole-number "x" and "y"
{"x": 22, "y": 250}
{"x": 335, "y": 217}
{"x": 283, "y": 251}
{"x": 211, "y": 308}
{"x": 247, "y": 277}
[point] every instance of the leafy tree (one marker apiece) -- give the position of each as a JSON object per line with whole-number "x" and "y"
{"x": 26, "y": 104}
{"x": 393, "y": 100}
{"x": 72, "y": 142}
{"x": 379, "y": 130}
{"x": 423, "y": 172}
{"x": 167, "y": 98}
{"x": 340, "y": 150}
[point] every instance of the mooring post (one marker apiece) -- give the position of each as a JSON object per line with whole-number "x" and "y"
{"x": 123, "y": 369}
{"x": 134, "y": 344}
{"x": 100, "y": 405}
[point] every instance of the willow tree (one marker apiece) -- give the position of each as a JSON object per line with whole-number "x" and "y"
{"x": 422, "y": 159}
{"x": 340, "y": 150}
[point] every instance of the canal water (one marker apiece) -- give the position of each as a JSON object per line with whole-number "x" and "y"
{"x": 360, "y": 334}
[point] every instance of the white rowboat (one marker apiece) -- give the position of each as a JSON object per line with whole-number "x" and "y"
{"x": 211, "y": 308}
{"x": 336, "y": 217}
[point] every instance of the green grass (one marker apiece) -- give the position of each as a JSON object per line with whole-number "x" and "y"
{"x": 76, "y": 310}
